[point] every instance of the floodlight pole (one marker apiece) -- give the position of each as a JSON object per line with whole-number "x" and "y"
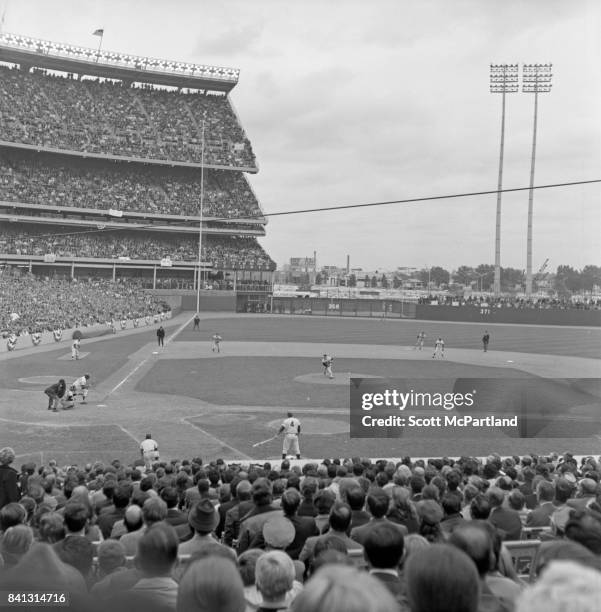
{"x": 536, "y": 79}
{"x": 503, "y": 79}
{"x": 202, "y": 189}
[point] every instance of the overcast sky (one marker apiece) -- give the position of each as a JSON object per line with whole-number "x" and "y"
{"x": 349, "y": 102}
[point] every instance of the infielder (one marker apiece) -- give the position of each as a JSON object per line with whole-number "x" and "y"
{"x": 438, "y": 349}
{"x": 75, "y": 349}
{"x": 216, "y": 341}
{"x": 326, "y": 362}
{"x": 80, "y": 386}
{"x": 421, "y": 336}
{"x": 291, "y": 429}
{"x": 149, "y": 450}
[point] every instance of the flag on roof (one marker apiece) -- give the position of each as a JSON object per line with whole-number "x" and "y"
{"x": 99, "y": 32}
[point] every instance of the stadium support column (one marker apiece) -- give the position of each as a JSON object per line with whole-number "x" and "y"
{"x": 503, "y": 79}
{"x": 202, "y": 189}
{"x": 536, "y": 79}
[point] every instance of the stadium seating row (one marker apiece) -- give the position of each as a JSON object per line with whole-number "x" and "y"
{"x": 49, "y": 180}
{"x": 340, "y": 535}
{"x": 91, "y": 116}
{"x": 38, "y": 305}
{"x": 225, "y": 252}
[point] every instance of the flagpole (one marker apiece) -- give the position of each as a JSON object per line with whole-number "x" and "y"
{"x": 99, "y": 45}
{"x": 202, "y": 168}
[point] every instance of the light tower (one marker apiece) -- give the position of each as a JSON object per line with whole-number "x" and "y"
{"x": 503, "y": 79}
{"x": 536, "y": 79}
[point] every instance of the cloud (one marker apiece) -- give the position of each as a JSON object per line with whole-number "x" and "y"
{"x": 232, "y": 42}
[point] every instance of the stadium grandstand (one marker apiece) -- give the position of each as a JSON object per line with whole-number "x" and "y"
{"x": 110, "y": 164}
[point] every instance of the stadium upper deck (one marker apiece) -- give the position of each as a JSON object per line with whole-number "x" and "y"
{"x": 101, "y": 143}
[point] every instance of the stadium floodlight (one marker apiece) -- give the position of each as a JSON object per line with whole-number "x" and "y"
{"x": 503, "y": 80}
{"x": 536, "y": 78}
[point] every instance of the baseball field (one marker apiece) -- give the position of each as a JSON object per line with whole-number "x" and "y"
{"x": 198, "y": 403}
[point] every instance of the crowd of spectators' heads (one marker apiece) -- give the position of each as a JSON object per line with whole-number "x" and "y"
{"x": 90, "y": 116}
{"x": 350, "y": 535}
{"x": 32, "y": 304}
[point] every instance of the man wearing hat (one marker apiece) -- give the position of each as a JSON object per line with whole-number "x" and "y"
{"x": 54, "y": 393}
{"x": 203, "y": 518}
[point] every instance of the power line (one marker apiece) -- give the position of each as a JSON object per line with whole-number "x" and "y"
{"x": 343, "y": 207}
{"x": 430, "y": 198}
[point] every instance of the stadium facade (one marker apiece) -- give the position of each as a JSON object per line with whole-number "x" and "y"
{"x": 103, "y": 160}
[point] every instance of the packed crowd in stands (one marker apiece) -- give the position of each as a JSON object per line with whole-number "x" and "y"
{"x": 50, "y": 180}
{"x": 542, "y": 303}
{"x": 224, "y": 252}
{"x": 31, "y": 304}
{"x": 350, "y": 535}
{"x": 90, "y": 116}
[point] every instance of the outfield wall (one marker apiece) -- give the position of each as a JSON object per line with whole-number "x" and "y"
{"x": 397, "y": 309}
{"x": 533, "y": 316}
{"x": 210, "y": 301}
{"x": 339, "y": 307}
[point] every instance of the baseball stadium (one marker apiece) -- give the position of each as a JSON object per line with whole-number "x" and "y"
{"x": 126, "y": 211}
{"x": 102, "y": 199}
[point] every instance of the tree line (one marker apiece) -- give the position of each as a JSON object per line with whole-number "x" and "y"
{"x": 565, "y": 280}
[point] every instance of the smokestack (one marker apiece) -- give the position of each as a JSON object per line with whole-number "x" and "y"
{"x": 348, "y": 264}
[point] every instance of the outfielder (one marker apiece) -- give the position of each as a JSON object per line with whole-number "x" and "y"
{"x": 80, "y": 386}
{"x": 326, "y": 362}
{"x": 438, "y": 349}
{"x": 291, "y": 429}
{"x": 421, "y": 336}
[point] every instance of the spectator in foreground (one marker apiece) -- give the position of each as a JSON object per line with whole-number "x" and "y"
{"x": 156, "y": 558}
{"x": 378, "y": 503}
{"x": 441, "y": 578}
{"x": 565, "y": 585}
{"x": 565, "y": 550}
{"x": 274, "y": 577}
{"x": 211, "y": 585}
{"x": 384, "y": 547}
{"x": 202, "y": 518}
{"x": 9, "y": 491}
{"x": 111, "y": 560}
{"x": 15, "y": 543}
{"x": 337, "y": 588}
{"x": 474, "y": 539}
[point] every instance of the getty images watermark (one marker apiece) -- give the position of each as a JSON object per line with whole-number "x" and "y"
{"x": 521, "y": 407}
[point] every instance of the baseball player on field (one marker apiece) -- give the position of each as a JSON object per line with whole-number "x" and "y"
{"x": 291, "y": 429}
{"x": 75, "y": 349}
{"x": 80, "y": 386}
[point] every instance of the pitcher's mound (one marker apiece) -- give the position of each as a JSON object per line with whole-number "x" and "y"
{"x": 340, "y": 378}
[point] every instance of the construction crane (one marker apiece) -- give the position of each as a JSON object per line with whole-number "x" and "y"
{"x": 540, "y": 274}
{"x": 543, "y": 267}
